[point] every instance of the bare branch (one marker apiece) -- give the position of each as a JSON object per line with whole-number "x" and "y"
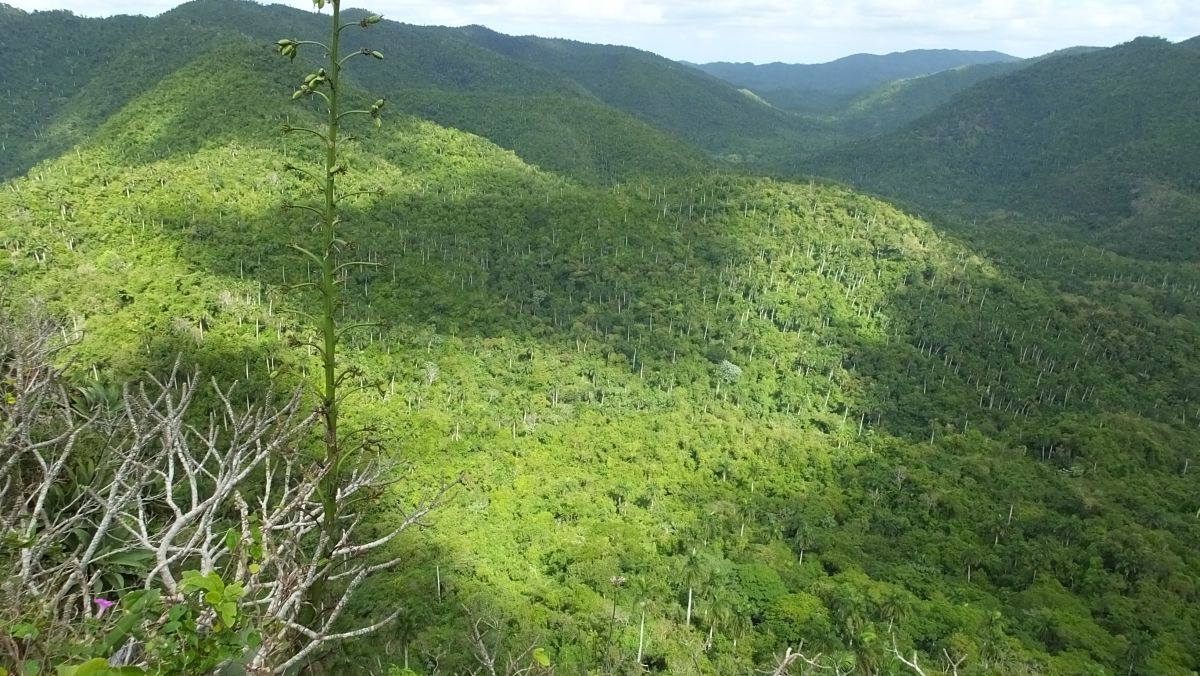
{"x": 163, "y": 483}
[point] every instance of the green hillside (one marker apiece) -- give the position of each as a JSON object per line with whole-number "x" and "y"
{"x": 698, "y": 108}
{"x": 432, "y": 72}
{"x": 46, "y": 64}
{"x": 822, "y": 87}
{"x": 1104, "y": 142}
{"x": 648, "y": 104}
{"x": 799, "y": 410}
{"x": 901, "y": 101}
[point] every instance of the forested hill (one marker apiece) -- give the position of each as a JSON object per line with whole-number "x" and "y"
{"x": 813, "y": 87}
{"x": 792, "y": 408}
{"x": 49, "y": 58}
{"x": 1105, "y": 141}
{"x": 595, "y": 112}
{"x": 898, "y": 102}
{"x": 696, "y": 107}
{"x": 704, "y": 417}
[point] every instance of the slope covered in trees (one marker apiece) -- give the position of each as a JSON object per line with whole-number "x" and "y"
{"x": 507, "y": 88}
{"x": 695, "y": 107}
{"x": 898, "y": 102}
{"x": 435, "y": 73}
{"x": 751, "y": 413}
{"x": 46, "y": 64}
{"x": 1104, "y": 141}
{"x": 821, "y": 87}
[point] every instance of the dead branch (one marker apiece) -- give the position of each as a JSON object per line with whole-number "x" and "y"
{"x": 233, "y": 493}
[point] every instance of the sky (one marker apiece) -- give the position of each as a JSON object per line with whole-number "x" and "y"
{"x": 760, "y": 31}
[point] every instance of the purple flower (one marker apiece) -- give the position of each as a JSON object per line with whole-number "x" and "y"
{"x": 103, "y": 605}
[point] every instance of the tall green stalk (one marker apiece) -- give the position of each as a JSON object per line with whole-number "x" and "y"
{"x": 328, "y": 78}
{"x": 329, "y": 335}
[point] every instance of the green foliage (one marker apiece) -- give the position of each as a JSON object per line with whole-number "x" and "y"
{"x": 1098, "y": 145}
{"x": 75, "y": 73}
{"x": 761, "y": 586}
{"x": 690, "y": 105}
{"x": 194, "y": 636}
{"x": 798, "y": 86}
{"x": 570, "y": 114}
{"x": 982, "y": 447}
{"x": 798, "y": 619}
{"x": 223, "y": 600}
{"x": 896, "y": 103}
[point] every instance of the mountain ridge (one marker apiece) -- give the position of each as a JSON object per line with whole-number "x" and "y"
{"x": 445, "y": 71}
{"x": 1101, "y": 138}
{"x": 815, "y": 87}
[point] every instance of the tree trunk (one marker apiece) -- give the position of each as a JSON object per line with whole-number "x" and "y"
{"x": 641, "y": 639}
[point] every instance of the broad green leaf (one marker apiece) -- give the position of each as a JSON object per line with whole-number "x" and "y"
{"x": 23, "y": 631}
{"x": 228, "y": 612}
{"x": 93, "y": 667}
{"x": 194, "y": 581}
{"x": 235, "y": 591}
{"x": 136, "y": 560}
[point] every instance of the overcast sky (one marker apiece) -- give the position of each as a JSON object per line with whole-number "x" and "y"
{"x": 794, "y": 31}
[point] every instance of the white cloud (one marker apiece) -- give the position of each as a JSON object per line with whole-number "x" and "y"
{"x": 784, "y": 30}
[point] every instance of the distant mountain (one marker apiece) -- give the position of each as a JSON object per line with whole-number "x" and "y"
{"x": 811, "y": 86}
{"x": 611, "y": 125}
{"x": 48, "y": 58}
{"x": 895, "y": 103}
{"x": 1106, "y": 140}
{"x": 898, "y": 102}
{"x": 450, "y": 75}
{"x": 696, "y": 107}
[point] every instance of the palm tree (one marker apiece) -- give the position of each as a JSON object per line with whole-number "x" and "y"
{"x": 721, "y": 610}
{"x": 693, "y": 571}
{"x": 892, "y": 606}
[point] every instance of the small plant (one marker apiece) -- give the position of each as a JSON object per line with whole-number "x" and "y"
{"x": 150, "y": 635}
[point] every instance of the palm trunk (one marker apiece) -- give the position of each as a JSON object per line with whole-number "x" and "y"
{"x": 641, "y": 639}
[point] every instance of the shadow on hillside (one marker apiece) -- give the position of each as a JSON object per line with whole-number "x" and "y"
{"x": 484, "y": 259}
{"x": 629, "y": 374}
